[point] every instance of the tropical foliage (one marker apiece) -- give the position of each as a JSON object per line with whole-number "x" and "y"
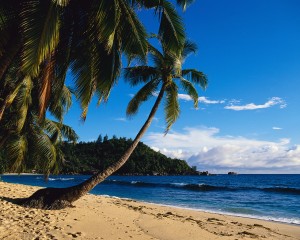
{"x": 28, "y": 142}
{"x": 47, "y": 38}
{"x": 42, "y": 40}
{"x": 88, "y": 38}
{"x": 165, "y": 74}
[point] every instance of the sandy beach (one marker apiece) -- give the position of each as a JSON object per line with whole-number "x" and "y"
{"x": 99, "y": 217}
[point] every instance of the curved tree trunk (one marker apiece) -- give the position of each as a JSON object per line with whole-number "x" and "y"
{"x": 59, "y": 198}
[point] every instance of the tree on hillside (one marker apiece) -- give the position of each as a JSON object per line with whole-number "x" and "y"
{"x": 163, "y": 75}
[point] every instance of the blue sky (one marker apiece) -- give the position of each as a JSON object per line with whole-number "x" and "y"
{"x": 248, "y": 118}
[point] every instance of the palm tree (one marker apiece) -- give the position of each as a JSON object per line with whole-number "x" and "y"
{"x": 41, "y": 40}
{"x": 28, "y": 141}
{"x": 88, "y": 37}
{"x": 163, "y": 75}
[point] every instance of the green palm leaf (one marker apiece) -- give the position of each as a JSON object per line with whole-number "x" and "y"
{"x": 171, "y": 27}
{"x": 196, "y": 77}
{"x": 41, "y": 23}
{"x": 184, "y": 3}
{"x": 141, "y": 96}
{"x": 139, "y": 74}
{"x": 188, "y": 48}
{"x": 42, "y": 149}
{"x": 132, "y": 31}
{"x": 15, "y": 150}
{"x": 172, "y": 110}
{"x": 22, "y": 103}
{"x": 107, "y": 18}
{"x": 157, "y": 58}
{"x": 190, "y": 89}
{"x": 60, "y": 105}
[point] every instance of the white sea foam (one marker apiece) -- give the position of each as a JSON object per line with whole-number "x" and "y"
{"x": 179, "y": 184}
{"x": 57, "y": 179}
{"x": 60, "y": 179}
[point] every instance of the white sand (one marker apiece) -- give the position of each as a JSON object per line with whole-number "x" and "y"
{"x": 97, "y": 217}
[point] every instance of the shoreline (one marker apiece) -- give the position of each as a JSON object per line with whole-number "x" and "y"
{"x": 289, "y": 221}
{"x": 209, "y": 211}
{"x": 102, "y": 217}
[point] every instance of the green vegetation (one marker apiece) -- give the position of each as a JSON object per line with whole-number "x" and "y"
{"x": 42, "y": 40}
{"x": 90, "y": 157}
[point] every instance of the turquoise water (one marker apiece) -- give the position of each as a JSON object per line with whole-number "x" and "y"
{"x": 270, "y": 197}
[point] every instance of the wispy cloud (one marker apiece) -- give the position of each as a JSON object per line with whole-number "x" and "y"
{"x": 207, "y": 149}
{"x": 251, "y": 106}
{"x": 207, "y": 101}
{"x": 121, "y": 119}
{"x": 200, "y": 99}
{"x": 276, "y": 128}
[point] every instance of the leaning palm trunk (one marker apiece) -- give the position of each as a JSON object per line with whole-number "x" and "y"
{"x": 59, "y": 198}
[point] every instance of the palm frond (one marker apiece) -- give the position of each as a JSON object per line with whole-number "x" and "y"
{"x": 10, "y": 55}
{"x": 107, "y": 18}
{"x": 15, "y": 150}
{"x": 190, "y": 89}
{"x": 85, "y": 84}
{"x": 59, "y": 106}
{"x": 44, "y": 150}
{"x": 157, "y": 58}
{"x": 58, "y": 131}
{"x": 134, "y": 36}
{"x": 172, "y": 110}
{"x": 171, "y": 27}
{"x": 139, "y": 74}
{"x": 68, "y": 133}
{"x": 109, "y": 70}
{"x": 141, "y": 96}
{"x": 22, "y": 103}
{"x": 40, "y": 25}
{"x": 62, "y": 3}
{"x": 184, "y": 3}
{"x": 196, "y": 77}
{"x": 45, "y": 80}
{"x": 188, "y": 48}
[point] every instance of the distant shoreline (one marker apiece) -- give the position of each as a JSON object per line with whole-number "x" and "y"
{"x": 16, "y": 174}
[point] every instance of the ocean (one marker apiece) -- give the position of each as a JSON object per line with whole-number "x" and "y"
{"x": 262, "y": 196}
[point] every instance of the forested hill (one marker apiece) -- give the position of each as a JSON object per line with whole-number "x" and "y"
{"x": 85, "y": 158}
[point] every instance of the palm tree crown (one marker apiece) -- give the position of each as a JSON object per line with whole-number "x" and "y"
{"x": 165, "y": 73}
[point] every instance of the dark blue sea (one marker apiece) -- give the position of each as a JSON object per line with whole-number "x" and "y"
{"x": 269, "y": 197}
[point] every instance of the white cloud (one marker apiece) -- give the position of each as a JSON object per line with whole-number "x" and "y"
{"x": 207, "y": 101}
{"x": 184, "y": 97}
{"x": 207, "y": 149}
{"x": 200, "y": 99}
{"x": 276, "y": 128}
{"x": 251, "y": 106}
